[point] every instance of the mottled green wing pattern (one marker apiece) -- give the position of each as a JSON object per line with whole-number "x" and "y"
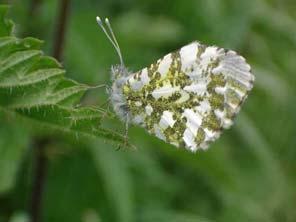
{"x": 189, "y": 96}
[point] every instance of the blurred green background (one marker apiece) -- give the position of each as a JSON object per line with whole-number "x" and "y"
{"x": 249, "y": 174}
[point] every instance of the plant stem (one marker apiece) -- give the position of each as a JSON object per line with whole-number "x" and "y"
{"x": 41, "y": 144}
{"x": 61, "y": 26}
{"x": 34, "y": 7}
{"x": 39, "y": 179}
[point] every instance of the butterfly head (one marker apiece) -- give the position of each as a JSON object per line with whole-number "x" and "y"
{"x": 119, "y": 74}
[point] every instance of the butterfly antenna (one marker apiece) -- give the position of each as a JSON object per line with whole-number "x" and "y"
{"x": 111, "y": 37}
{"x": 114, "y": 39}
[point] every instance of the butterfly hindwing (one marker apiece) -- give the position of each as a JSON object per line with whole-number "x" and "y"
{"x": 189, "y": 96}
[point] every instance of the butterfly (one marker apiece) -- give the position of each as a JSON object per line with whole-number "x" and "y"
{"x": 187, "y": 98}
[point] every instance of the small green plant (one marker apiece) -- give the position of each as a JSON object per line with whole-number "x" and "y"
{"x": 33, "y": 87}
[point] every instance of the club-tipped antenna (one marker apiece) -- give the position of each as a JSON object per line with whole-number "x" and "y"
{"x": 111, "y": 31}
{"x": 111, "y": 37}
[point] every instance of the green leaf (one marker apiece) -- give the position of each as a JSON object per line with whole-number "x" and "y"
{"x": 116, "y": 181}
{"x": 169, "y": 216}
{"x": 33, "y": 86}
{"x": 6, "y": 26}
{"x": 15, "y": 138}
{"x": 19, "y": 217}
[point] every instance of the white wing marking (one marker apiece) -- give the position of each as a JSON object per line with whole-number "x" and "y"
{"x": 164, "y": 65}
{"x": 166, "y": 120}
{"x": 165, "y": 91}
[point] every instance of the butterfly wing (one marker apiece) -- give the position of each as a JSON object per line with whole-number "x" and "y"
{"x": 189, "y": 96}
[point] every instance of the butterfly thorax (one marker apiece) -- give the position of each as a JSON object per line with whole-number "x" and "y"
{"x": 120, "y": 75}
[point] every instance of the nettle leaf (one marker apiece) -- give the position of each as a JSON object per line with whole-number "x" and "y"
{"x": 34, "y": 87}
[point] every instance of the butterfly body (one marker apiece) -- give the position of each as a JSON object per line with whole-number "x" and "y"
{"x": 186, "y": 98}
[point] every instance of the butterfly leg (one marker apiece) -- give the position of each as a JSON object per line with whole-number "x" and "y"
{"x": 125, "y": 143}
{"x": 126, "y": 131}
{"x": 106, "y": 104}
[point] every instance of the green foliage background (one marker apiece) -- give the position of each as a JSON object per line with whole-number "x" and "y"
{"x": 247, "y": 175}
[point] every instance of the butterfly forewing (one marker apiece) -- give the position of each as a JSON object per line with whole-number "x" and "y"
{"x": 189, "y": 96}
